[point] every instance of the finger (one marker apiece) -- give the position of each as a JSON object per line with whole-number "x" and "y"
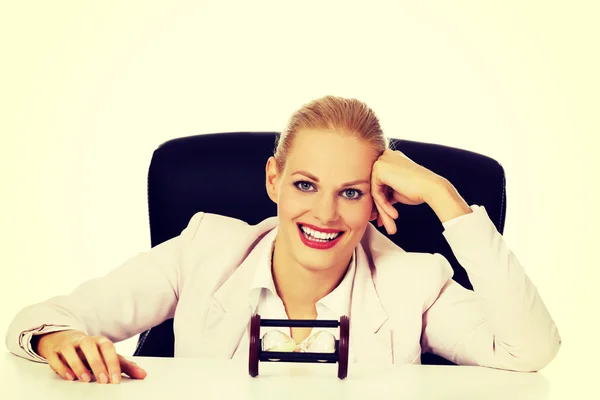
{"x": 70, "y": 355}
{"x": 90, "y": 350}
{"x": 387, "y": 220}
{"x": 111, "y": 361}
{"x": 61, "y": 368}
{"x": 390, "y": 224}
{"x": 380, "y": 221}
{"x": 380, "y": 197}
{"x": 389, "y": 203}
{"x": 131, "y": 369}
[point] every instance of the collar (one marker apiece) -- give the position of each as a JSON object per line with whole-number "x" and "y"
{"x": 338, "y": 301}
{"x": 263, "y": 278}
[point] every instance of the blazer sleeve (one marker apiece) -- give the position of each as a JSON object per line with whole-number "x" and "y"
{"x": 503, "y": 323}
{"x": 139, "y": 294}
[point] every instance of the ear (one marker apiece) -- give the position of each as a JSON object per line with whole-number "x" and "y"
{"x": 374, "y": 213}
{"x": 272, "y": 179}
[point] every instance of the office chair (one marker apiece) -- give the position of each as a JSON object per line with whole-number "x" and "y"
{"x": 224, "y": 173}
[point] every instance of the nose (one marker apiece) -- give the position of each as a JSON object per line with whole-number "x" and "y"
{"x": 325, "y": 209}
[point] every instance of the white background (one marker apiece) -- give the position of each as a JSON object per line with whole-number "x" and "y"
{"x": 89, "y": 89}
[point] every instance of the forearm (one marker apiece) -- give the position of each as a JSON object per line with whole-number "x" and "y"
{"x": 519, "y": 323}
{"x": 445, "y": 201}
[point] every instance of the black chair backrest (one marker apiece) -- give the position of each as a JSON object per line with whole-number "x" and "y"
{"x": 224, "y": 173}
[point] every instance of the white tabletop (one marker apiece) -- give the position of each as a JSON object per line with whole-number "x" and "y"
{"x": 184, "y": 378}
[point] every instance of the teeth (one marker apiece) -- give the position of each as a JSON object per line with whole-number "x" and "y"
{"x": 319, "y": 235}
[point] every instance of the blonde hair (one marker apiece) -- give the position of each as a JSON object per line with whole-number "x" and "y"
{"x": 343, "y": 115}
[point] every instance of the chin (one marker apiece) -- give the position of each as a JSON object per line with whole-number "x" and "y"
{"x": 316, "y": 264}
{"x": 320, "y": 260}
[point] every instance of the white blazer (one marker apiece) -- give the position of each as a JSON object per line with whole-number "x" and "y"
{"x": 402, "y": 303}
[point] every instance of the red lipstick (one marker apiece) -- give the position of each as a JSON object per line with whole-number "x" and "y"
{"x": 324, "y": 230}
{"x": 319, "y": 245}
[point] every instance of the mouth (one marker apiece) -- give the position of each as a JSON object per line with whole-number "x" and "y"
{"x": 321, "y": 239}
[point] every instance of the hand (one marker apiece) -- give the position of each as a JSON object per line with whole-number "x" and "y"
{"x": 73, "y": 352}
{"x": 396, "y": 178}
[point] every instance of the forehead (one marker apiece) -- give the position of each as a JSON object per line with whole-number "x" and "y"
{"x": 331, "y": 155}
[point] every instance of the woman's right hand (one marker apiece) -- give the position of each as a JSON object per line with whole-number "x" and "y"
{"x": 73, "y": 354}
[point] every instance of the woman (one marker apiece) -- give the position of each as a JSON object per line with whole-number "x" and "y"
{"x": 320, "y": 258}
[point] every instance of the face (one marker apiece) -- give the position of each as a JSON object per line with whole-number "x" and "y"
{"x": 323, "y": 197}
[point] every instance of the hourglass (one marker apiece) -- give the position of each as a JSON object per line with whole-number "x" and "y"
{"x": 335, "y": 352}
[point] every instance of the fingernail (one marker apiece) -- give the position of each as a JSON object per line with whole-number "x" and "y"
{"x": 115, "y": 378}
{"x": 69, "y": 376}
{"x": 103, "y": 377}
{"x": 85, "y": 377}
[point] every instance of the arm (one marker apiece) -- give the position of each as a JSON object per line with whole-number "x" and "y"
{"x": 503, "y": 323}
{"x": 139, "y": 294}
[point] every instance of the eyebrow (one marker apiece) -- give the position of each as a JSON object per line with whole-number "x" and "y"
{"x": 314, "y": 178}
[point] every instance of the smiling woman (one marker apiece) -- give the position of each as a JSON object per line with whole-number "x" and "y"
{"x": 321, "y": 218}
{"x": 319, "y": 258}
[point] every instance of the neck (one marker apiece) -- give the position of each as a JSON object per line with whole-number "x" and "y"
{"x": 301, "y": 287}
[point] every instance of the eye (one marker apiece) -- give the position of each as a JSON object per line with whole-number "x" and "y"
{"x": 304, "y": 186}
{"x": 352, "y": 194}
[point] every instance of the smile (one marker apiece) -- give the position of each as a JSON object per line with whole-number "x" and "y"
{"x": 321, "y": 239}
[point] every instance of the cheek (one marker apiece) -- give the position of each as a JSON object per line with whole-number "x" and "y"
{"x": 356, "y": 216}
{"x": 291, "y": 203}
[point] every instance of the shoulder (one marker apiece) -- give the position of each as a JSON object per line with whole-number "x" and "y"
{"x": 410, "y": 275}
{"x": 213, "y": 246}
{"x": 217, "y": 239}
{"x": 214, "y": 227}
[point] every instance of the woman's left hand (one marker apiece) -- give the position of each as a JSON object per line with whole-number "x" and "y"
{"x": 396, "y": 178}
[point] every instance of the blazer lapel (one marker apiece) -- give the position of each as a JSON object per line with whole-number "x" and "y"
{"x": 370, "y": 341}
{"x": 230, "y": 310}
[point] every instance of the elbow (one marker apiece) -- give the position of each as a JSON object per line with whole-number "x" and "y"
{"x": 535, "y": 359}
{"x": 544, "y": 357}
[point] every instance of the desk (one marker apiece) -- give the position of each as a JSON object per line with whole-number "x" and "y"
{"x": 186, "y": 378}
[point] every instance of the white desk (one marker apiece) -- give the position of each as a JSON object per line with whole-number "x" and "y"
{"x": 209, "y": 379}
